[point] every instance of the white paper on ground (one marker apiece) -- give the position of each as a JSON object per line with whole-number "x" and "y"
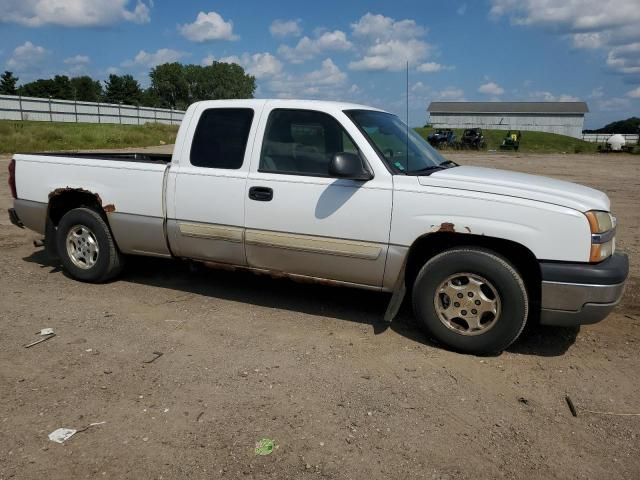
{"x": 61, "y": 434}
{"x": 46, "y": 331}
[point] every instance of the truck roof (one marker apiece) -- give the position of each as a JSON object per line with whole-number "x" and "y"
{"x": 289, "y": 103}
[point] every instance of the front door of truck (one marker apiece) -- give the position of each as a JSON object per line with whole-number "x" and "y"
{"x": 300, "y": 220}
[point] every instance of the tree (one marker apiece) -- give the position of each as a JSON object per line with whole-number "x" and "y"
{"x": 56, "y": 87}
{"x": 229, "y": 80}
{"x": 177, "y": 85}
{"x": 8, "y": 83}
{"x": 122, "y": 88}
{"x": 169, "y": 85}
{"x": 630, "y": 125}
{"x": 86, "y": 89}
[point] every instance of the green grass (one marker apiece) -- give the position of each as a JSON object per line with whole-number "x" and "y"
{"x": 530, "y": 142}
{"x": 46, "y": 136}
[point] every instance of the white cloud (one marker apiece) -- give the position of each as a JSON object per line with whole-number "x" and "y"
{"x": 77, "y": 60}
{"x": 462, "y": 9}
{"x": 625, "y": 59}
{"x": 285, "y": 28}
{"x": 260, "y": 65}
{"x": 613, "y": 104}
{"x": 597, "y": 92}
{"x": 392, "y": 55}
{"x": 72, "y": 13}
{"x": 588, "y": 40}
{"x": 208, "y": 60}
{"x": 578, "y": 15}
{"x": 326, "y": 82}
{"x": 433, "y": 67}
{"x": 450, "y": 93}
{"x": 387, "y": 44}
{"x": 140, "y": 14}
{"x": 307, "y": 48}
{"x": 635, "y": 93}
{"x": 591, "y": 24}
{"x": 77, "y": 64}
{"x": 545, "y": 96}
{"x": 491, "y": 88}
{"x": 420, "y": 88}
{"x": 328, "y": 74}
{"x": 152, "y": 59}
{"x": 379, "y": 27}
{"x": 208, "y": 27}
{"x": 27, "y": 57}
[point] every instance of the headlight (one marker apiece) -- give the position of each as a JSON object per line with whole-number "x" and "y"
{"x": 600, "y": 222}
{"x": 603, "y": 232}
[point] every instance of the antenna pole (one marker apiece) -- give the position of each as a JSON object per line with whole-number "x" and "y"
{"x": 407, "y": 146}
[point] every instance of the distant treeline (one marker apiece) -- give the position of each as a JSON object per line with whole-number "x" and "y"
{"x": 172, "y": 85}
{"x": 630, "y": 125}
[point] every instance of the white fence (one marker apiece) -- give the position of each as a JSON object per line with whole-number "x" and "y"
{"x": 51, "y": 110}
{"x": 630, "y": 138}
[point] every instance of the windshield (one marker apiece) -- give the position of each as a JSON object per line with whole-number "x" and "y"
{"x": 388, "y": 134}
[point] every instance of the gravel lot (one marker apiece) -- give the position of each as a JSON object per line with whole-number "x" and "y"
{"x": 248, "y": 357}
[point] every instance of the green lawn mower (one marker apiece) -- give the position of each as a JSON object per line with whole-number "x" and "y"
{"x": 511, "y": 140}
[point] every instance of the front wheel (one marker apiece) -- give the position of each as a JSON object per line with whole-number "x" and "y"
{"x": 86, "y": 248}
{"x": 471, "y": 299}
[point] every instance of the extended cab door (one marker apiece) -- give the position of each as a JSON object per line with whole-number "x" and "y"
{"x": 300, "y": 220}
{"x": 206, "y": 189}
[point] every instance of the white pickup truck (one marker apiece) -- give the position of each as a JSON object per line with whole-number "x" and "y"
{"x": 342, "y": 194}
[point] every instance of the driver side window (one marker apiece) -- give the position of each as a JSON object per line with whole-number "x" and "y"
{"x": 302, "y": 142}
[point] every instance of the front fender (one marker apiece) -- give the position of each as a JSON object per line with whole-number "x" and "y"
{"x": 551, "y": 232}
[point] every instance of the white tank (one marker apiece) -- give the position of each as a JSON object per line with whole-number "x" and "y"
{"x": 616, "y": 142}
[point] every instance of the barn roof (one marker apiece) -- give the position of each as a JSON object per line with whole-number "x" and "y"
{"x": 553, "y": 108}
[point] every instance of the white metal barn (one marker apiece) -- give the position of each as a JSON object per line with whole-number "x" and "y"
{"x": 564, "y": 118}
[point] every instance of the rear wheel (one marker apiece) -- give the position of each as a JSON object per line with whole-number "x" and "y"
{"x": 86, "y": 248}
{"x": 471, "y": 299}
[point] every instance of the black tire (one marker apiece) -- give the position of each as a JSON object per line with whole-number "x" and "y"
{"x": 106, "y": 263}
{"x": 505, "y": 280}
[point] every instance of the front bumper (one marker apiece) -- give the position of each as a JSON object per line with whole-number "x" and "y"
{"x": 578, "y": 293}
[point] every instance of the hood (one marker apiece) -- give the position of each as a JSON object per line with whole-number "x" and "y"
{"x": 521, "y": 185}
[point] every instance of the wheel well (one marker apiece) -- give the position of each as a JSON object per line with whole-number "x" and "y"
{"x": 523, "y": 259}
{"x": 60, "y": 202}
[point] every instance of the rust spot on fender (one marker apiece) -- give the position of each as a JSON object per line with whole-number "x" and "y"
{"x": 447, "y": 227}
{"x": 60, "y": 191}
{"x": 110, "y": 208}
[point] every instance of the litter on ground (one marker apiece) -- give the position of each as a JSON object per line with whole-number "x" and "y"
{"x": 264, "y": 447}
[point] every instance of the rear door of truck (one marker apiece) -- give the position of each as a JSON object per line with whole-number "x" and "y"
{"x": 206, "y": 185}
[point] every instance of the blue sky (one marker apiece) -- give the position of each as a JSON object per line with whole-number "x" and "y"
{"x": 350, "y": 50}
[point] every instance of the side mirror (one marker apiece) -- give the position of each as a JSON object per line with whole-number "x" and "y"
{"x": 349, "y": 166}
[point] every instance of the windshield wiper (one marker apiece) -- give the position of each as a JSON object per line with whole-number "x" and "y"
{"x": 433, "y": 168}
{"x": 450, "y": 163}
{"x": 426, "y": 170}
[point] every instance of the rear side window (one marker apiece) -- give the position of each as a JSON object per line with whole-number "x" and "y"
{"x": 302, "y": 142}
{"x": 221, "y": 138}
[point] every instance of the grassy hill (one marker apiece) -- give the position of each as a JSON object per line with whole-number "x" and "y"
{"x": 43, "y": 136}
{"x": 531, "y": 142}
{"x": 46, "y": 136}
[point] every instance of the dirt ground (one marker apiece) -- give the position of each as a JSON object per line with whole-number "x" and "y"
{"x": 248, "y": 357}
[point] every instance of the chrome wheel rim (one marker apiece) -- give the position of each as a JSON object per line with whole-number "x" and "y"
{"x": 82, "y": 247}
{"x": 468, "y": 304}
